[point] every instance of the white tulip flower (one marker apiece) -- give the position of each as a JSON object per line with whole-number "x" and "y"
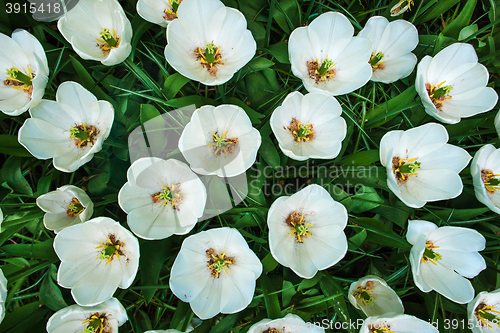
{"x": 442, "y": 258}
{"x": 162, "y": 198}
{"x": 306, "y": 231}
{"x": 484, "y": 312}
{"x": 393, "y": 42}
{"x": 290, "y": 324}
{"x": 309, "y": 126}
{"x": 1, "y": 218}
{"x": 160, "y": 12}
{"x": 401, "y": 7}
{"x": 396, "y": 323}
{"x": 215, "y": 271}
{"x": 209, "y": 42}
{"x": 326, "y": 56}
{"x": 220, "y": 141}
{"x": 66, "y": 206}
{"x": 105, "y": 317}
{"x": 98, "y": 30}
{"x": 97, "y": 257}
{"x": 374, "y": 297}
{"x": 421, "y": 166}
{"x": 70, "y": 130}
{"x": 485, "y": 171}
{"x": 23, "y": 71}
{"x": 3, "y": 294}
{"x": 452, "y": 85}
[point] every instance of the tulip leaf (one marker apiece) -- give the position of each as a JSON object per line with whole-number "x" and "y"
{"x": 43, "y": 250}
{"x": 366, "y": 198}
{"x": 10, "y": 146}
{"x": 270, "y": 298}
{"x": 251, "y": 113}
{"x": 153, "y": 256}
{"x": 287, "y": 293}
{"x": 455, "y": 28}
{"x": 24, "y": 318}
{"x": 436, "y": 10}
{"x": 287, "y": 15}
{"x": 181, "y": 102}
{"x": 269, "y": 153}
{"x": 99, "y": 183}
{"x": 182, "y": 316}
{"x": 50, "y": 294}
{"x": 173, "y": 84}
{"x": 384, "y": 112}
{"x": 382, "y": 234}
{"x": 331, "y": 288}
{"x": 366, "y": 157}
{"x": 269, "y": 263}
{"x": 148, "y": 112}
{"x": 280, "y": 52}
{"x": 13, "y": 175}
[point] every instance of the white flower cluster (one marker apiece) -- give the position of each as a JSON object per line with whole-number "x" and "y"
{"x": 216, "y": 270}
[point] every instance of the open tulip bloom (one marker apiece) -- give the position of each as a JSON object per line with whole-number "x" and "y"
{"x": 290, "y": 324}
{"x": 393, "y": 42}
{"x": 23, "y": 71}
{"x": 208, "y": 42}
{"x": 3, "y": 294}
{"x": 97, "y": 257}
{"x": 442, "y": 258}
{"x": 162, "y": 198}
{"x": 452, "y": 85}
{"x": 396, "y": 323}
{"x": 103, "y": 318}
{"x": 309, "y": 126}
{"x": 421, "y": 166}
{"x": 70, "y": 130}
{"x": 485, "y": 171}
{"x": 220, "y": 141}
{"x": 64, "y": 207}
{"x": 374, "y": 297}
{"x": 484, "y": 312}
{"x": 306, "y": 231}
{"x": 98, "y": 30}
{"x": 160, "y": 12}
{"x": 215, "y": 271}
{"x": 326, "y": 56}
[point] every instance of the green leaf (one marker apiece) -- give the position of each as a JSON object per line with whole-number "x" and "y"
{"x": 436, "y": 10}
{"x": 99, "y": 183}
{"x": 148, "y": 112}
{"x": 173, "y": 84}
{"x": 270, "y": 298}
{"x": 23, "y": 318}
{"x": 182, "y": 315}
{"x": 43, "y": 250}
{"x": 331, "y": 288}
{"x": 286, "y": 14}
{"x": 10, "y": 146}
{"x": 280, "y": 52}
{"x": 309, "y": 283}
{"x": 383, "y": 234}
{"x": 269, "y": 263}
{"x": 13, "y": 175}
{"x": 199, "y": 101}
{"x": 366, "y": 198}
{"x": 358, "y": 239}
{"x": 382, "y": 113}
{"x": 255, "y": 65}
{"x": 467, "y": 31}
{"x": 251, "y": 113}
{"x": 269, "y": 153}
{"x": 153, "y": 255}
{"x": 366, "y": 157}
{"x": 455, "y": 28}
{"x": 88, "y": 81}
{"x": 50, "y": 294}
{"x": 287, "y": 293}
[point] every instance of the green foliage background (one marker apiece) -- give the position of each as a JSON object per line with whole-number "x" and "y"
{"x": 145, "y": 86}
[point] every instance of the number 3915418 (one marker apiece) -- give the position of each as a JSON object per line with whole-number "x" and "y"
{"x": 16, "y": 8}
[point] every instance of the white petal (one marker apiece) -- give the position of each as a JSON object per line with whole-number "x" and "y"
{"x": 373, "y": 30}
{"x": 458, "y": 239}
{"x": 330, "y": 33}
{"x": 447, "y": 157}
{"x": 447, "y": 283}
{"x": 422, "y": 140}
{"x": 389, "y": 144}
{"x": 32, "y": 47}
{"x": 468, "y": 104}
{"x": 433, "y": 185}
{"x": 417, "y": 228}
{"x": 153, "y": 11}
{"x": 451, "y": 62}
{"x": 467, "y": 264}
{"x": 43, "y": 140}
{"x": 395, "y": 69}
{"x": 399, "y": 38}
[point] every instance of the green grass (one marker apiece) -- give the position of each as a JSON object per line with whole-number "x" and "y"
{"x": 377, "y": 219}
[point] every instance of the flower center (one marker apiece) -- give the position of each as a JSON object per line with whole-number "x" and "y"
{"x": 217, "y": 263}
{"x": 375, "y": 61}
{"x": 171, "y": 14}
{"x": 403, "y": 168}
{"x": 108, "y": 41}
{"x": 401, "y": 7}
{"x": 321, "y": 72}
{"x": 301, "y": 132}
{"x": 83, "y": 135}
{"x": 439, "y": 93}
{"x": 170, "y": 194}
{"x": 383, "y": 330}
{"x": 298, "y": 227}
{"x": 364, "y": 293}
{"x": 95, "y": 324}
{"x": 111, "y": 248}
{"x": 209, "y": 57}
{"x": 223, "y": 145}
{"x": 490, "y": 181}
{"x": 17, "y": 79}
{"x": 485, "y": 315}
{"x": 429, "y": 254}
{"x": 75, "y": 208}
